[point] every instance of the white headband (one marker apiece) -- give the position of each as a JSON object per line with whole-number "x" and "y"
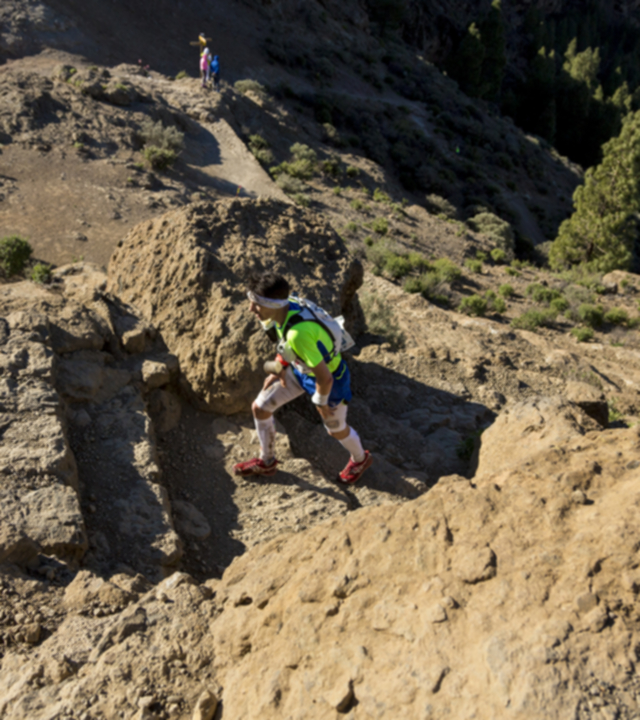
{"x": 271, "y": 303}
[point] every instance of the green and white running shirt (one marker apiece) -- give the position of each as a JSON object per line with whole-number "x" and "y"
{"x": 309, "y": 341}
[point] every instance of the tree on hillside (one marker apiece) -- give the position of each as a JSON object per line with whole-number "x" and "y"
{"x": 576, "y": 87}
{"x": 465, "y": 64}
{"x": 537, "y": 109}
{"x": 479, "y": 61}
{"x": 494, "y": 61}
{"x": 602, "y": 231}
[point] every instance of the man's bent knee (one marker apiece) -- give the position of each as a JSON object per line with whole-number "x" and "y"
{"x": 340, "y": 434}
{"x": 259, "y": 413}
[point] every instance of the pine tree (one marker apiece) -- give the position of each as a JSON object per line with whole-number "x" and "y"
{"x": 537, "y": 112}
{"x": 577, "y": 85}
{"x": 603, "y": 229}
{"x": 465, "y": 64}
{"x": 494, "y": 62}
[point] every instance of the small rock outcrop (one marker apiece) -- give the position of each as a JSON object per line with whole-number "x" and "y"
{"x": 77, "y": 452}
{"x": 186, "y": 271}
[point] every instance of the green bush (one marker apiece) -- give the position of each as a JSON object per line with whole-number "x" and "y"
{"x": 473, "y": 305}
{"x": 418, "y": 261}
{"x": 368, "y": 241}
{"x": 430, "y": 286}
{"x": 161, "y": 136}
{"x": 161, "y": 144}
{"x": 260, "y": 149}
{"x": 475, "y": 266}
{"x": 380, "y": 225}
{"x": 159, "y": 158}
{"x": 351, "y": 228}
{"x": 582, "y": 334}
{"x": 614, "y": 413}
{"x": 41, "y": 273}
{"x": 576, "y": 294}
{"x": 380, "y": 196}
{"x": 496, "y": 228}
{"x": 264, "y": 157}
{"x": 331, "y": 167}
{"x": 181, "y": 74}
{"x": 352, "y": 171}
{"x": 14, "y": 254}
{"x": 301, "y": 199}
{"x": 412, "y": 285}
{"x": 303, "y": 169}
{"x": 397, "y": 266}
{"x": 356, "y": 204}
{"x": 381, "y": 319}
{"x": 542, "y": 294}
{"x": 437, "y": 205}
{"x": 303, "y": 152}
{"x": 245, "y": 86}
{"x": 506, "y": 290}
{"x": 512, "y": 271}
{"x": 337, "y": 190}
{"x": 446, "y": 270}
{"x": 591, "y": 315}
{"x": 377, "y": 255}
{"x": 534, "y": 318}
{"x": 617, "y": 316}
{"x": 430, "y": 283}
{"x": 498, "y": 255}
{"x": 498, "y": 305}
{"x": 332, "y": 136}
{"x": 257, "y": 142}
{"x": 289, "y": 184}
{"x": 559, "y": 304}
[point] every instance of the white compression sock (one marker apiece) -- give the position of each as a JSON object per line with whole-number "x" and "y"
{"x": 267, "y": 436}
{"x": 353, "y": 445}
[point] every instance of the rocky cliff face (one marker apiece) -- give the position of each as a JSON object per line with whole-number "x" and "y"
{"x": 514, "y": 595}
{"x": 78, "y": 450}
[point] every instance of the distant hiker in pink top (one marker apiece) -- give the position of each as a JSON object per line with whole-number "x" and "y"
{"x": 205, "y": 66}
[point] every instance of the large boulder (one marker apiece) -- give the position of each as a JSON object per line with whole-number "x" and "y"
{"x": 186, "y": 272}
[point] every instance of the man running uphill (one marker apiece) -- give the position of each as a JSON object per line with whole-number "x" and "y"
{"x": 315, "y": 368}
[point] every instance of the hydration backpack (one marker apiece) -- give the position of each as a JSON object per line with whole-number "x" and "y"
{"x": 342, "y": 340}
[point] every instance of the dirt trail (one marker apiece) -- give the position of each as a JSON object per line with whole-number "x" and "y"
{"x": 71, "y": 204}
{"x": 215, "y": 150}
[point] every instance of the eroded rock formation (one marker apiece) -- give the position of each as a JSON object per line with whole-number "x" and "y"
{"x": 514, "y": 595}
{"x": 186, "y": 273}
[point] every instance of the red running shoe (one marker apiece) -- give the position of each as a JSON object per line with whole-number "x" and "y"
{"x": 255, "y": 466}
{"x": 352, "y": 473}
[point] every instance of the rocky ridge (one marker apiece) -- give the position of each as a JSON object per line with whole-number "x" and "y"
{"x": 510, "y": 590}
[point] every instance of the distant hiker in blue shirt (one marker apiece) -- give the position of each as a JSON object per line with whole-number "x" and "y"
{"x": 215, "y": 72}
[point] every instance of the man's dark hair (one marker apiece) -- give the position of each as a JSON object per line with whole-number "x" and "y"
{"x": 269, "y": 285}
